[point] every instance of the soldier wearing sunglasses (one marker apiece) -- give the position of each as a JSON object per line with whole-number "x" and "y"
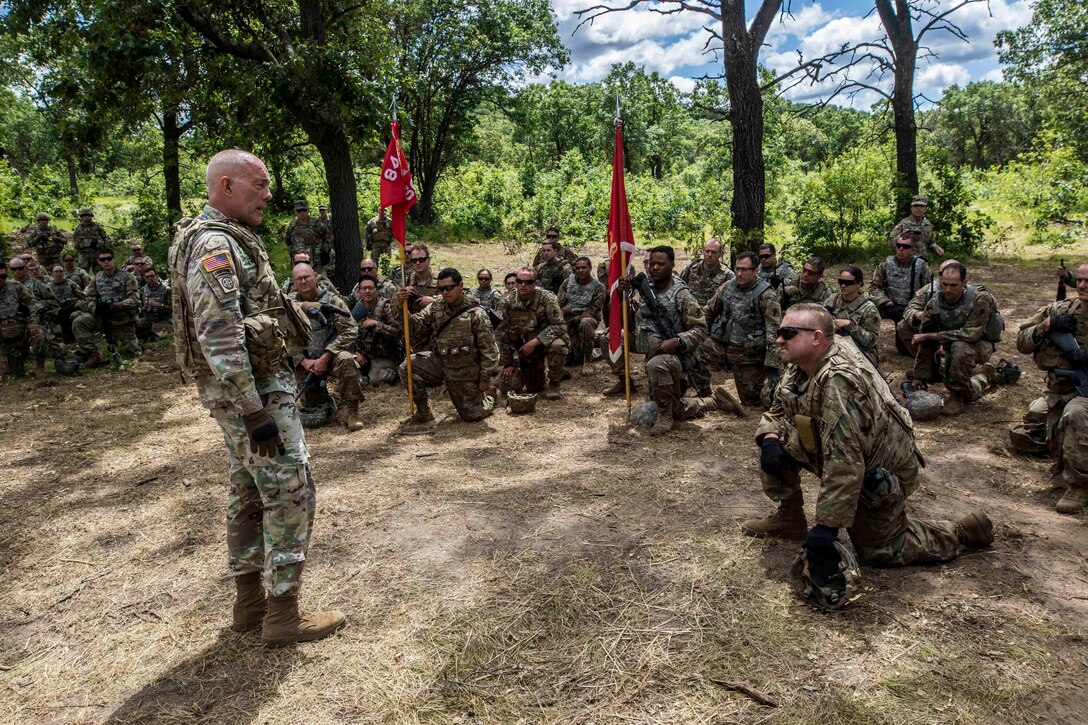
{"x": 855, "y": 314}
{"x": 835, "y": 416}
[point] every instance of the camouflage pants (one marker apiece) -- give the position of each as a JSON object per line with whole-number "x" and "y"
{"x": 882, "y": 533}
{"x": 582, "y": 332}
{"x": 271, "y": 504}
{"x": 382, "y": 371}
{"x": 343, "y": 379}
{"x": 1067, "y": 422}
{"x": 960, "y": 361}
{"x": 462, "y": 384}
{"x": 749, "y": 373}
{"x": 87, "y": 259}
{"x": 380, "y": 249}
{"x": 617, "y": 366}
{"x": 85, "y": 325}
{"x": 553, "y": 360}
{"x": 14, "y": 354}
{"x": 904, "y": 332}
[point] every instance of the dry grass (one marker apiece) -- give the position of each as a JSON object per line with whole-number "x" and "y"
{"x": 551, "y": 568}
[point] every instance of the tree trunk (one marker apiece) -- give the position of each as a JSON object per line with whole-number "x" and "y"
{"x": 335, "y": 152}
{"x": 279, "y": 195}
{"x": 746, "y": 120}
{"x": 73, "y": 179}
{"x": 171, "y": 164}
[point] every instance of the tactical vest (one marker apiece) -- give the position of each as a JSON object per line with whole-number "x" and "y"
{"x": 259, "y": 300}
{"x": 13, "y": 321}
{"x": 86, "y": 236}
{"x": 903, "y": 282}
{"x": 147, "y": 294}
{"x": 113, "y": 290}
{"x": 953, "y": 317}
{"x": 781, "y": 270}
{"x": 645, "y": 328}
{"x": 64, "y": 291}
{"x": 526, "y": 322}
{"x": 456, "y": 344}
{"x": 550, "y": 276}
{"x": 319, "y": 333}
{"x": 741, "y": 320}
{"x": 580, "y": 296}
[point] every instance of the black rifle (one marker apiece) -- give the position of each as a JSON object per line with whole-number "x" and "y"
{"x": 1065, "y": 342}
{"x": 319, "y": 315}
{"x": 664, "y": 323}
{"x": 1061, "y": 283}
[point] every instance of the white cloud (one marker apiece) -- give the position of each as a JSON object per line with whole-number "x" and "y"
{"x": 938, "y": 76}
{"x": 664, "y": 59}
{"x": 685, "y": 84}
{"x": 997, "y": 75}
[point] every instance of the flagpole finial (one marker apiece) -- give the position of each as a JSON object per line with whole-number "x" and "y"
{"x": 393, "y": 108}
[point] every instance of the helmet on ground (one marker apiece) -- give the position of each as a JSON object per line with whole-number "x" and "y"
{"x": 1037, "y": 411}
{"x": 521, "y": 403}
{"x": 65, "y": 365}
{"x": 924, "y": 405}
{"x": 315, "y": 416}
{"x": 1029, "y": 439}
{"x": 842, "y": 589}
{"x": 1009, "y": 371}
{"x": 644, "y": 414}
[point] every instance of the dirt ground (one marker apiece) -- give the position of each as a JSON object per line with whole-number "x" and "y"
{"x": 561, "y": 568}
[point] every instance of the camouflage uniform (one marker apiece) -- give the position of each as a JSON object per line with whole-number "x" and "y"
{"x": 487, "y": 299}
{"x": 69, "y": 295}
{"x": 923, "y": 229}
{"x": 425, "y": 289}
{"x": 743, "y": 327}
{"x": 843, "y": 424}
{"x": 563, "y": 253}
{"x": 383, "y": 345}
{"x": 18, "y": 326}
{"x": 342, "y": 378}
{"x": 48, "y": 246}
{"x": 154, "y": 317}
{"x": 793, "y": 292}
{"x": 386, "y": 289}
{"x": 906, "y": 327}
{"x": 378, "y": 236}
{"x": 782, "y": 271}
{"x": 88, "y": 238}
{"x": 221, "y": 278}
{"x": 581, "y": 298}
{"x": 864, "y": 327}
{"x": 552, "y": 275}
{"x": 664, "y": 372}
{"x": 316, "y": 241}
{"x": 703, "y": 283}
{"x": 122, "y": 292}
{"x": 42, "y": 340}
{"x": 463, "y": 354}
{"x": 79, "y": 276}
{"x": 1067, "y": 412}
{"x": 968, "y": 335}
{"x": 538, "y": 317}
{"x": 897, "y": 284}
{"x": 324, "y": 284}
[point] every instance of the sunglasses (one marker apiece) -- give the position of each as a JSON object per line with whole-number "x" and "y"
{"x": 551, "y": 236}
{"x": 16, "y": 269}
{"x": 524, "y": 281}
{"x": 905, "y": 246}
{"x": 483, "y": 279}
{"x": 788, "y": 333}
{"x": 847, "y": 282}
{"x": 419, "y": 260}
{"x": 743, "y": 269}
{"x": 443, "y": 288}
{"x": 105, "y": 259}
{"x": 764, "y": 256}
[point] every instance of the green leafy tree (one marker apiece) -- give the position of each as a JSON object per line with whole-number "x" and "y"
{"x": 985, "y": 123}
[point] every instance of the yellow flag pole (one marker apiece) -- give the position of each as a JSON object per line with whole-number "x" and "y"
{"x": 407, "y": 334}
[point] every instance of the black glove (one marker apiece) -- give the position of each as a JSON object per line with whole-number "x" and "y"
{"x": 102, "y": 308}
{"x": 264, "y": 434}
{"x": 1063, "y": 323}
{"x": 773, "y": 459}
{"x": 819, "y": 548}
{"x": 1078, "y": 357}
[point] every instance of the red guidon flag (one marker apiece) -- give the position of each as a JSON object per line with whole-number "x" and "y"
{"x": 397, "y": 190}
{"x": 621, "y": 245}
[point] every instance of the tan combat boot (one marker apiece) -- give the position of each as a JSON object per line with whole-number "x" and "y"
{"x": 423, "y": 413}
{"x": 975, "y": 530}
{"x": 788, "y": 522}
{"x": 552, "y": 393}
{"x": 726, "y": 402}
{"x": 619, "y": 387}
{"x": 663, "y": 424}
{"x": 1073, "y": 500}
{"x": 285, "y": 625}
{"x": 349, "y": 415}
{"x": 250, "y": 604}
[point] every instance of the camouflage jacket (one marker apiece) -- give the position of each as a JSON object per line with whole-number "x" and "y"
{"x": 840, "y": 423}
{"x": 782, "y": 271}
{"x": 977, "y": 319}
{"x": 347, "y": 331}
{"x": 67, "y": 292}
{"x": 219, "y": 276}
{"x": 161, "y": 294}
{"x": 80, "y": 276}
{"x": 46, "y": 242}
{"x": 317, "y": 240}
{"x": 759, "y": 332}
{"x": 378, "y": 234}
{"x": 488, "y": 299}
{"x": 18, "y": 310}
{"x": 90, "y": 235}
{"x": 686, "y": 314}
{"x": 425, "y": 289}
{"x": 794, "y": 292}
{"x": 923, "y": 228}
{"x": 552, "y": 275}
{"x": 381, "y": 340}
{"x": 1033, "y": 340}
{"x": 595, "y": 294}
{"x": 864, "y": 327}
{"x": 902, "y": 284}
{"x": 121, "y": 290}
{"x": 467, "y": 344}
{"x": 522, "y": 320}
{"x": 43, "y": 293}
{"x": 563, "y": 254}
{"x": 702, "y": 283}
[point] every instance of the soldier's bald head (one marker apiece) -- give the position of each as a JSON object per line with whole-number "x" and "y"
{"x": 238, "y": 185}
{"x": 229, "y": 162}
{"x": 302, "y": 270}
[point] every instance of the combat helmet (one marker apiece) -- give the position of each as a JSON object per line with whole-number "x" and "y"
{"x": 521, "y": 403}
{"x": 841, "y": 589}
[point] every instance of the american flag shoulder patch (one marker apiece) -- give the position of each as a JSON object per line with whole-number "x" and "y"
{"x": 212, "y": 262}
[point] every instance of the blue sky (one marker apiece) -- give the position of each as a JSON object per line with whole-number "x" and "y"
{"x": 673, "y": 45}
